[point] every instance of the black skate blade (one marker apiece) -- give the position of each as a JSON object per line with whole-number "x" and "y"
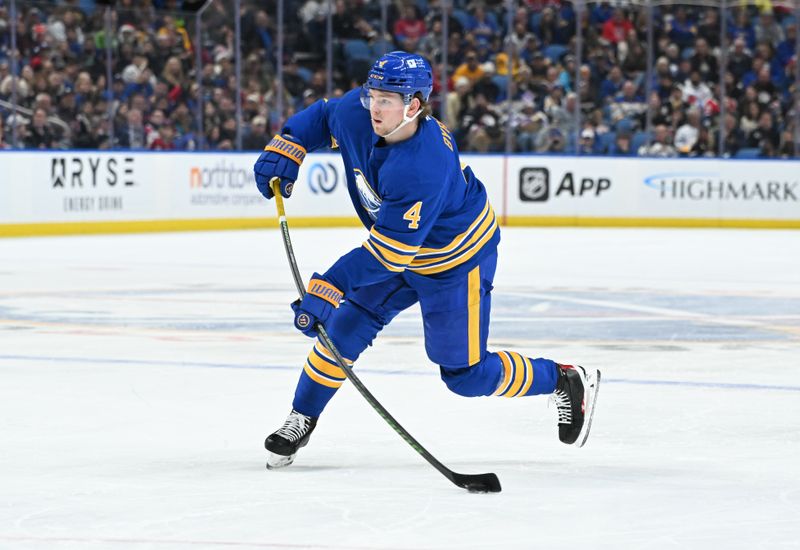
{"x": 477, "y": 483}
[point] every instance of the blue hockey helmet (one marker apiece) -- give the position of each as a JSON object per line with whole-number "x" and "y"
{"x": 402, "y": 73}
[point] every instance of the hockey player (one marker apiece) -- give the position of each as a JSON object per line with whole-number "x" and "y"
{"x": 432, "y": 239}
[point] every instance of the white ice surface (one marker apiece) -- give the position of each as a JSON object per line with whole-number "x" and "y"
{"x": 139, "y": 375}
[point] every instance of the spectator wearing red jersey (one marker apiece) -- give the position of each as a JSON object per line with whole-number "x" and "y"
{"x": 616, "y": 29}
{"x": 409, "y": 26}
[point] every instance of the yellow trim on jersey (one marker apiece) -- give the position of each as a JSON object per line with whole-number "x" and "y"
{"x": 474, "y": 315}
{"x": 488, "y": 221}
{"x": 458, "y": 239}
{"x": 459, "y": 259}
{"x": 508, "y": 369}
{"x": 392, "y": 256}
{"x": 368, "y": 246}
{"x": 402, "y": 247}
{"x": 320, "y": 379}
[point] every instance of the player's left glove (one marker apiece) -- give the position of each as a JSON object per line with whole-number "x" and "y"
{"x": 317, "y": 305}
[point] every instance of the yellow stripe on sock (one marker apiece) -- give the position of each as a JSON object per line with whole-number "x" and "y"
{"x": 519, "y": 375}
{"x": 507, "y": 371}
{"x": 324, "y": 367}
{"x": 320, "y": 379}
{"x": 529, "y": 380}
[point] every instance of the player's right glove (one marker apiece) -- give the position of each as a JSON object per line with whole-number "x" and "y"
{"x": 281, "y": 158}
{"x": 316, "y": 306}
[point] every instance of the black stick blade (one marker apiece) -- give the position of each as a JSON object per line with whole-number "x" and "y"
{"x": 477, "y": 483}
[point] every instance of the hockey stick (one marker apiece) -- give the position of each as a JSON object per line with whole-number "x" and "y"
{"x": 474, "y": 483}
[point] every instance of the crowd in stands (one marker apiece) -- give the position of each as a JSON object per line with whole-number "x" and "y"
{"x": 555, "y": 102}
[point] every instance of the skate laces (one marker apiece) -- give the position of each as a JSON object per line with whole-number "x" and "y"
{"x": 563, "y": 405}
{"x": 295, "y": 427}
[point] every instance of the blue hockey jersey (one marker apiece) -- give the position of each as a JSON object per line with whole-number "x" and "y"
{"x": 426, "y": 213}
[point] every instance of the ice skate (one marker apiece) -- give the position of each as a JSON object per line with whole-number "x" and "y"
{"x": 284, "y": 443}
{"x": 575, "y": 397}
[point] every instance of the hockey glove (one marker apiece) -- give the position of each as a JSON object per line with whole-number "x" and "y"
{"x": 317, "y": 305}
{"x": 281, "y": 158}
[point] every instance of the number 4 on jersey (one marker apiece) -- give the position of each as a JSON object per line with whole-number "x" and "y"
{"x": 413, "y": 216}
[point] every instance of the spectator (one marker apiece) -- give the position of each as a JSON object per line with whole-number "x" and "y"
{"x": 410, "y": 26}
{"x": 3, "y": 143}
{"x": 733, "y": 136}
{"x": 482, "y": 126}
{"x": 588, "y": 144}
{"x": 483, "y": 27}
{"x": 456, "y": 103}
{"x": 764, "y": 132}
{"x": 470, "y": 69}
{"x": 695, "y": 90}
{"x": 768, "y": 30}
{"x": 739, "y": 59}
{"x": 621, "y": 146}
{"x": 40, "y": 135}
{"x": 704, "y": 62}
{"x": 617, "y": 27}
{"x": 131, "y": 135}
{"x": 660, "y": 146}
{"x": 689, "y": 132}
{"x": 527, "y": 124}
{"x": 681, "y": 29}
{"x": 612, "y": 85}
{"x": 165, "y": 140}
{"x": 709, "y": 27}
{"x": 257, "y": 138}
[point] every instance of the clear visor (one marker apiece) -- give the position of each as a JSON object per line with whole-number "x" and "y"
{"x": 366, "y": 100}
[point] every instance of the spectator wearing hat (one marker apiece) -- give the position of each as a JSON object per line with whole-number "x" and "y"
{"x": 456, "y": 103}
{"x": 621, "y": 146}
{"x": 587, "y": 145}
{"x": 551, "y": 140}
{"x": 526, "y": 124}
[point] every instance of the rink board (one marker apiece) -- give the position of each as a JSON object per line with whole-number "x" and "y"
{"x": 103, "y": 192}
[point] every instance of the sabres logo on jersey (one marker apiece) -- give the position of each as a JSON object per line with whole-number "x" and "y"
{"x": 370, "y": 200}
{"x": 382, "y": 63}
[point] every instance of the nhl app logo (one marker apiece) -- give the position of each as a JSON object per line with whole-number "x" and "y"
{"x": 534, "y": 184}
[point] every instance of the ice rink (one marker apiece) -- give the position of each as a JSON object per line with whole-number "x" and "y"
{"x": 139, "y": 375}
